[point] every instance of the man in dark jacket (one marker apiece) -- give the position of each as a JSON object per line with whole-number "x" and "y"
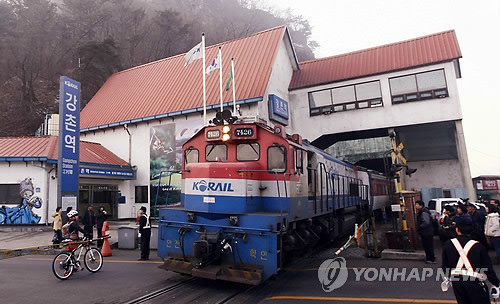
{"x": 144, "y": 233}
{"x": 447, "y": 229}
{"x": 64, "y": 216}
{"x": 100, "y": 217}
{"x": 478, "y": 221}
{"x": 88, "y": 222}
{"x": 425, "y": 229}
{"x": 463, "y": 257}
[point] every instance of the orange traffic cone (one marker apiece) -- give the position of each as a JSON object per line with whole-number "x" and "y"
{"x": 106, "y": 249}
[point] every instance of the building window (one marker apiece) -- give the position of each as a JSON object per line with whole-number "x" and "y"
{"x": 353, "y": 97}
{"x": 421, "y": 86}
{"x": 9, "y": 194}
{"x": 248, "y": 152}
{"x": 276, "y": 158}
{"x": 141, "y": 194}
{"x": 214, "y": 153}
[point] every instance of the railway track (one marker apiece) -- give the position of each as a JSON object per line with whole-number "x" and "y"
{"x": 229, "y": 298}
{"x": 182, "y": 292}
{"x": 160, "y": 292}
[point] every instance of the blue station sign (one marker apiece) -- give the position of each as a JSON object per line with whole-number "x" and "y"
{"x": 279, "y": 106}
{"x": 69, "y": 139}
{"x": 278, "y": 109}
{"x": 104, "y": 172}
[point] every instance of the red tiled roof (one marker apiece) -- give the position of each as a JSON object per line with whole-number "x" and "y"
{"x": 421, "y": 51}
{"x": 165, "y": 86}
{"x": 46, "y": 147}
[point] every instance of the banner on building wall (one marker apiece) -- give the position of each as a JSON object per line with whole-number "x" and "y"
{"x": 166, "y": 157}
{"x": 69, "y": 140}
{"x": 488, "y": 184}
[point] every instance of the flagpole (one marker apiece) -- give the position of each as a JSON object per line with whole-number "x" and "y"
{"x": 204, "y": 81}
{"x": 234, "y": 92}
{"x": 220, "y": 77}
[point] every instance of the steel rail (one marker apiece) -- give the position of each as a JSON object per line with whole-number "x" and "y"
{"x": 160, "y": 292}
{"x": 229, "y": 298}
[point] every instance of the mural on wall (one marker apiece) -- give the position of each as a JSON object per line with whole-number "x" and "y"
{"x": 23, "y": 214}
{"x": 165, "y": 157}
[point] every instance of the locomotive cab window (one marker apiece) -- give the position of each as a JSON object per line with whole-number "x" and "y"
{"x": 248, "y": 152}
{"x": 215, "y": 152}
{"x": 276, "y": 158}
{"x": 191, "y": 155}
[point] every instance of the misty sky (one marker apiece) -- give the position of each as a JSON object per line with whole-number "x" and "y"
{"x": 342, "y": 26}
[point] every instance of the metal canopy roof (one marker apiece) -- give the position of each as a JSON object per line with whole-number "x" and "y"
{"x": 431, "y": 49}
{"x": 165, "y": 87}
{"x": 45, "y": 149}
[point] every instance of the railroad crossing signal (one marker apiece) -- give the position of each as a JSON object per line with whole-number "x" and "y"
{"x": 397, "y": 157}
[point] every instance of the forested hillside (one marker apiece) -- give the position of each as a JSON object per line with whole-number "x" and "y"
{"x": 88, "y": 40}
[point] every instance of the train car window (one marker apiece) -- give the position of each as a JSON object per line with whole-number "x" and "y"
{"x": 215, "y": 152}
{"x": 276, "y": 158}
{"x": 248, "y": 151}
{"x": 353, "y": 189}
{"x": 299, "y": 167}
{"x": 191, "y": 155}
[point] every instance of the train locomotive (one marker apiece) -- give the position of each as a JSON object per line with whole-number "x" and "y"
{"x": 254, "y": 197}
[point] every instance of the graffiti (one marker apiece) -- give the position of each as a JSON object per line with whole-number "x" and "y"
{"x": 23, "y": 214}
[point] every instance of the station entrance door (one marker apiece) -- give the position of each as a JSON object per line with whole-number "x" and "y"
{"x": 99, "y": 196}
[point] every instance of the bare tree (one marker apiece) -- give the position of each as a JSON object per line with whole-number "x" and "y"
{"x": 91, "y": 39}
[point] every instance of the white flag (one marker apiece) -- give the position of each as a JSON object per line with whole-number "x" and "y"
{"x": 193, "y": 54}
{"x": 214, "y": 65}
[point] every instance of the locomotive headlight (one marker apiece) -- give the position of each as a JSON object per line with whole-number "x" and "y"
{"x": 226, "y": 133}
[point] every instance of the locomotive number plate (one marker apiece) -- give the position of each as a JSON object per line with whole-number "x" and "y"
{"x": 243, "y": 132}
{"x": 209, "y": 200}
{"x": 211, "y": 134}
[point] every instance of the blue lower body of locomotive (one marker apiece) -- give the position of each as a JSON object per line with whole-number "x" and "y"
{"x": 240, "y": 248}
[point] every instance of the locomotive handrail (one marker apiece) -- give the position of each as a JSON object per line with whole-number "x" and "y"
{"x": 278, "y": 186}
{"x": 169, "y": 181}
{"x": 232, "y": 228}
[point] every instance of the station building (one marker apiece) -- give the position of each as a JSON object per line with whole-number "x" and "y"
{"x": 28, "y": 179}
{"x": 143, "y": 115}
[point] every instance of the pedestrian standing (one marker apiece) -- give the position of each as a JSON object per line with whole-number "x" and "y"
{"x": 493, "y": 207}
{"x": 100, "y": 217}
{"x": 478, "y": 221}
{"x": 492, "y": 231}
{"x": 447, "y": 230}
{"x": 462, "y": 258}
{"x": 461, "y": 210}
{"x": 88, "y": 222}
{"x": 144, "y": 233}
{"x": 65, "y": 218}
{"x": 57, "y": 226}
{"x": 425, "y": 229}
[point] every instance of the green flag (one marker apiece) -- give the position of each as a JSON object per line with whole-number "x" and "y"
{"x": 228, "y": 82}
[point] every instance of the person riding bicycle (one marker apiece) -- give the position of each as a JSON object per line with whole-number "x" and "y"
{"x": 71, "y": 230}
{"x": 73, "y": 227}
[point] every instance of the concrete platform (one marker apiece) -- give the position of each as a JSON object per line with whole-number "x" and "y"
{"x": 398, "y": 254}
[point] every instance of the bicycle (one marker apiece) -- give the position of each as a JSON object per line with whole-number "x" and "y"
{"x": 65, "y": 263}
